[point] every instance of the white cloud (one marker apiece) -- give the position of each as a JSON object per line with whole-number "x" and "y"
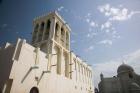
{"x": 92, "y": 24}
{"x": 60, "y": 8}
{"x": 116, "y": 36}
{"x": 116, "y": 14}
{"x": 106, "y": 42}
{"x": 87, "y": 20}
{"x": 114, "y": 11}
{"x": 102, "y": 26}
{"x": 120, "y": 15}
{"x": 108, "y": 28}
{"x": 107, "y": 24}
{"x": 89, "y": 14}
{"x": 89, "y": 48}
{"x": 133, "y": 13}
{"x": 120, "y": 5}
{"x": 109, "y": 68}
{"x": 91, "y": 35}
{"x": 107, "y": 31}
{"x": 104, "y": 8}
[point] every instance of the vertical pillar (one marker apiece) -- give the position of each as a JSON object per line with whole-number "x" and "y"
{"x": 79, "y": 71}
{"x": 59, "y": 33}
{"x": 63, "y": 63}
{"x": 76, "y": 68}
{"x": 69, "y": 67}
{"x": 64, "y": 38}
{"x": 37, "y": 55}
{"x": 66, "y": 64}
{"x": 86, "y": 76}
{"x": 52, "y": 28}
{"x": 49, "y": 62}
{"x": 59, "y": 61}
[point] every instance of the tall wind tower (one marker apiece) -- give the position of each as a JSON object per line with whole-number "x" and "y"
{"x": 52, "y": 35}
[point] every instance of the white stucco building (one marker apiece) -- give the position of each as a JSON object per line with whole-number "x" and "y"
{"x": 47, "y": 65}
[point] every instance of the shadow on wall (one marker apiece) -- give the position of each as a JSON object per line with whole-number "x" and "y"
{"x": 5, "y": 64}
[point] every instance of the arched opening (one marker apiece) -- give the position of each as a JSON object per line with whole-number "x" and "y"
{"x": 42, "y": 26}
{"x": 34, "y": 90}
{"x": 62, "y": 36}
{"x": 67, "y": 40}
{"x": 48, "y": 24}
{"x": 35, "y": 33}
{"x": 40, "y": 34}
{"x": 46, "y": 35}
{"x": 56, "y": 27}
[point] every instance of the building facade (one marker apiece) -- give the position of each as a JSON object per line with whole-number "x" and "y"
{"x": 126, "y": 81}
{"x": 47, "y": 65}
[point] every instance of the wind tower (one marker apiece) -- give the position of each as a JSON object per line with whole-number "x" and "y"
{"x": 52, "y": 35}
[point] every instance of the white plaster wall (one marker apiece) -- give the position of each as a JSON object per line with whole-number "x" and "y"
{"x": 50, "y": 82}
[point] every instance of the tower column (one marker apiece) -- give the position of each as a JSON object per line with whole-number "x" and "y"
{"x": 52, "y": 28}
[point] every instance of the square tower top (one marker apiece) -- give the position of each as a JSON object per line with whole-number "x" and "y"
{"x": 48, "y": 28}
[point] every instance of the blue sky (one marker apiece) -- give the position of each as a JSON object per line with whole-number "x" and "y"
{"x": 103, "y": 32}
